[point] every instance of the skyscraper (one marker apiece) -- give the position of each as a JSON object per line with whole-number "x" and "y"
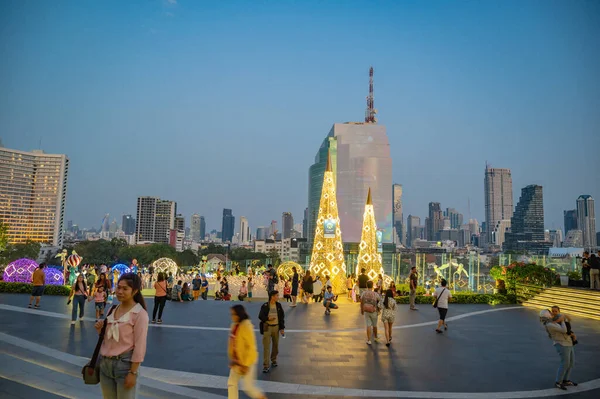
{"x": 33, "y": 190}
{"x": 434, "y": 221}
{"x": 305, "y": 224}
{"x": 527, "y": 223}
{"x": 179, "y": 223}
{"x": 570, "y": 220}
{"x": 128, "y": 225}
{"x": 360, "y": 157}
{"x": 586, "y": 221}
{"x": 273, "y": 230}
{"x": 155, "y": 219}
{"x": 244, "y": 231}
{"x": 195, "y": 228}
{"x": 287, "y": 224}
{"x": 412, "y": 225}
{"x": 398, "y": 222}
{"x": 228, "y": 225}
{"x": 456, "y": 218}
{"x": 202, "y": 228}
{"x": 498, "y": 198}
{"x": 262, "y": 233}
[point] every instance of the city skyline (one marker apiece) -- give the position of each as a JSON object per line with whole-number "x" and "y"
{"x": 473, "y": 98}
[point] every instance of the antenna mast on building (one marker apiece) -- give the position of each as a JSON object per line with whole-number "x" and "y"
{"x": 371, "y": 111}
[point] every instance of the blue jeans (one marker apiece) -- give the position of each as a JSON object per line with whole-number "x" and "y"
{"x": 112, "y": 377}
{"x": 567, "y": 358}
{"x": 78, "y": 302}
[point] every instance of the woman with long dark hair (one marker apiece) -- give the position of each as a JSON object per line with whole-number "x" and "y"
{"x": 388, "y": 314}
{"x": 103, "y": 281}
{"x": 124, "y": 345}
{"x": 160, "y": 297}
{"x": 295, "y": 281}
{"x": 242, "y": 355}
{"x": 78, "y": 295}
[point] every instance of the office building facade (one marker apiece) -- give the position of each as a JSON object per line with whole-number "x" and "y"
{"x": 287, "y": 224}
{"x": 360, "y": 159}
{"x": 244, "y": 231}
{"x": 412, "y": 229}
{"x": 33, "y": 191}
{"x": 498, "y": 195}
{"x": 527, "y": 223}
{"x": 228, "y": 225}
{"x": 128, "y": 225}
{"x": 195, "y": 228}
{"x": 398, "y": 216}
{"x": 586, "y": 221}
{"x": 434, "y": 221}
{"x": 570, "y": 218}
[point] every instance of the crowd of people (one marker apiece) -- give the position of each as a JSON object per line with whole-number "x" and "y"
{"x": 123, "y": 332}
{"x": 590, "y": 270}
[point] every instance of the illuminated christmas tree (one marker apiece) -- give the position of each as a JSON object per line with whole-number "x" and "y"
{"x": 369, "y": 256}
{"x": 328, "y": 252}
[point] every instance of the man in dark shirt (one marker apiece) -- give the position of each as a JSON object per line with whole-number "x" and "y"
{"x": 585, "y": 269}
{"x": 363, "y": 279}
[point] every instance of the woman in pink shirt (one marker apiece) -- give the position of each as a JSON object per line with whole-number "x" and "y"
{"x": 124, "y": 344}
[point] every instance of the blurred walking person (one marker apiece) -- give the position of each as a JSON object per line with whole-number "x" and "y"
{"x": 243, "y": 355}
{"x": 38, "y": 280}
{"x": 160, "y": 297}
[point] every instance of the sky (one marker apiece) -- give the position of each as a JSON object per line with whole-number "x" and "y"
{"x": 223, "y": 104}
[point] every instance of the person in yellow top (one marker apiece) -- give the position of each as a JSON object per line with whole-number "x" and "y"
{"x": 243, "y": 355}
{"x": 38, "y": 285}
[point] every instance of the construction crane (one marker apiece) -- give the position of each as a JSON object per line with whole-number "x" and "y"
{"x": 370, "y": 111}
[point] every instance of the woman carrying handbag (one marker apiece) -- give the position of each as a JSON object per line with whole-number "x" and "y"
{"x": 124, "y": 345}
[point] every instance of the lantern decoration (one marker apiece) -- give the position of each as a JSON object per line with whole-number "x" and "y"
{"x": 120, "y": 269}
{"x": 285, "y": 270}
{"x": 74, "y": 260}
{"x": 20, "y": 271}
{"x": 53, "y": 276}
{"x": 166, "y": 266}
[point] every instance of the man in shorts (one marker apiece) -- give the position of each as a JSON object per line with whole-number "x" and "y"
{"x": 38, "y": 285}
{"x": 369, "y": 300}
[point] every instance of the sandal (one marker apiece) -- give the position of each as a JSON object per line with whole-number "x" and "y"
{"x": 439, "y": 331}
{"x": 569, "y": 383}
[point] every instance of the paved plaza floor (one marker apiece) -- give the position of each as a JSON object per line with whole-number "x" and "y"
{"x": 488, "y": 352}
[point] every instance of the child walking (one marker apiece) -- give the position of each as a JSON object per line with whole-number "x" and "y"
{"x": 100, "y": 301}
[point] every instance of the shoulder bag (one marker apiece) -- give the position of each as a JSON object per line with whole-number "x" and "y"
{"x": 91, "y": 371}
{"x": 435, "y": 303}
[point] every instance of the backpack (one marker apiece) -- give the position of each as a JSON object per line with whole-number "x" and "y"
{"x": 275, "y": 278}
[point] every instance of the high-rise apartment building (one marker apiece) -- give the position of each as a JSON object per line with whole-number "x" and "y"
{"x": 498, "y": 198}
{"x": 128, "y": 225}
{"x": 455, "y": 217}
{"x": 287, "y": 224}
{"x": 228, "y": 225}
{"x": 586, "y": 221}
{"x": 244, "y": 231}
{"x": 570, "y": 217}
{"x": 33, "y": 191}
{"x": 527, "y": 223}
{"x": 434, "y": 221}
{"x": 499, "y": 232}
{"x": 360, "y": 159}
{"x": 412, "y": 229}
{"x": 398, "y": 222}
{"x": 195, "y": 228}
{"x": 155, "y": 219}
{"x": 179, "y": 223}
{"x": 273, "y": 230}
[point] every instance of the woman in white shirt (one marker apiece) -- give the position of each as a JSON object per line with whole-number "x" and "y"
{"x": 442, "y": 295}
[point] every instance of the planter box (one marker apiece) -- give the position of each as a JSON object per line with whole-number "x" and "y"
{"x": 576, "y": 283}
{"x": 564, "y": 281}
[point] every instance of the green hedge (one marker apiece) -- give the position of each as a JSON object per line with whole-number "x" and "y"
{"x": 404, "y": 289}
{"x": 465, "y": 298}
{"x": 24, "y": 288}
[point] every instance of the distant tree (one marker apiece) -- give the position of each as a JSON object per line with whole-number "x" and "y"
{"x": 187, "y": 258}
{"x": 27, "y": 249}
{"x": 3, "y": 236}
{"x": 273, "y": 255}
{"x": 213, "y": 249}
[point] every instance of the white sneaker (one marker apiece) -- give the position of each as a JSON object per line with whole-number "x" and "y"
{"x": 368, "y": 342}
{"x": 72, "y": 323}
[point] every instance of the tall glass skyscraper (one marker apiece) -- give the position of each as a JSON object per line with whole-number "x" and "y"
{"x": 527, "y": 223}
{"x": 228, "y": 225}
{"x": 360, "y": 158}
{"x": 586, "y": 221}
{"x": 498, "y": 198}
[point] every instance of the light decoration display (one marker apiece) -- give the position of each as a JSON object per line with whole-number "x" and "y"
{"x": 328, "y": 253}
{"x": 121, "y": 269}
{"x": 285, "y": 269}
{"x": 167, "y": 265}
{"x": 369, "y": 256}
{"x": 53, "y": 276}
{"x": 74, "y": 260}
{"x": 20, "y": 271}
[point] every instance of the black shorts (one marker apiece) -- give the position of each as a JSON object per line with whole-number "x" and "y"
{"x": 38, "y": 290}
{"x": 443, "y": 312}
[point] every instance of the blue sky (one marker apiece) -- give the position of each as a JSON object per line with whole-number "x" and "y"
{"x": 224, "y": 103}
